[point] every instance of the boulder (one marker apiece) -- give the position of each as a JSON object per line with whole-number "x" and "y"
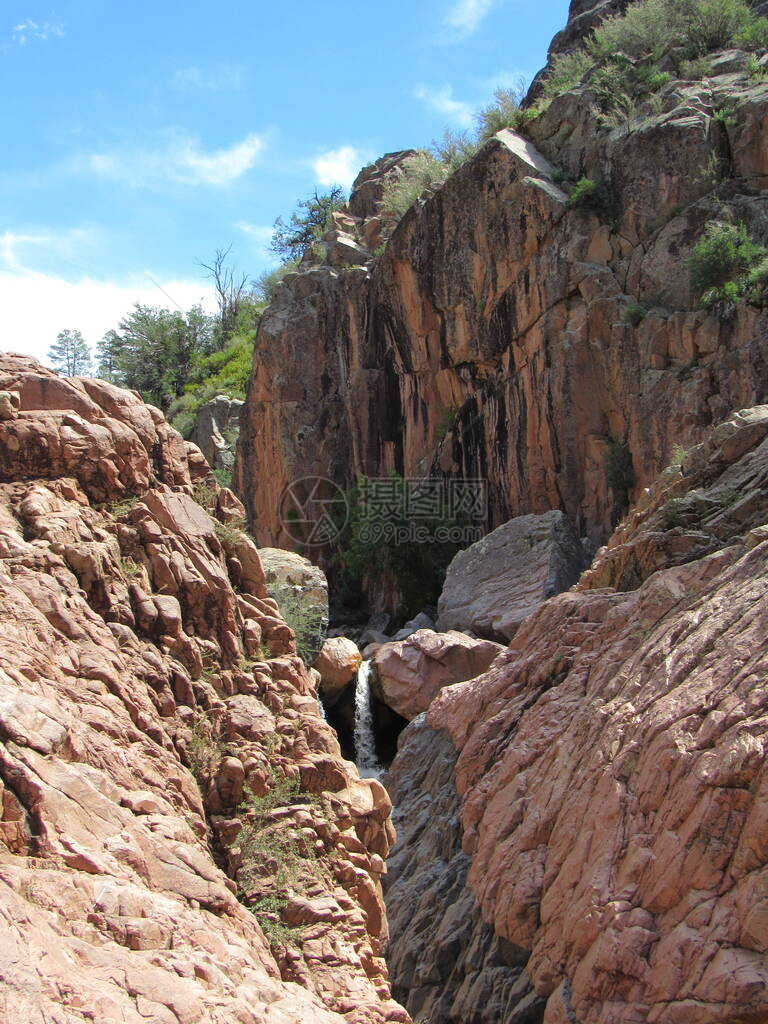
{"x": 410, "y": 673}
{"x": 337, "y": 663}
{"x": 491, "y": 586}
{"x": 420, "y": 621}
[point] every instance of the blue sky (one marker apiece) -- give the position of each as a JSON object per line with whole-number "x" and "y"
{"x": 138, "y": 138}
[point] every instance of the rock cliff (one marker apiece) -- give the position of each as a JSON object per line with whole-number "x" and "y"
{"x": 493, "y": 337}
{"x": 180, "y": 839}
{"x": 611, "y": 773}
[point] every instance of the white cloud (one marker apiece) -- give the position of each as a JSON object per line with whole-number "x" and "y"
{"x": 339, "y": 166}
{"x": 464, "y": 16}
{"x": 37, "y": 306}
{"x": 182, "y": 161}
{"x": 219, "y": 78}
{"x": 33, "y": 30}
{"x": 63, "y": 244}
{"x": 443, "y": 101}
{"x": 260, "y": 234}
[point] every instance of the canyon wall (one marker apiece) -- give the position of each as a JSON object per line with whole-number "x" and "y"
{"x": 490, "y": 338}
{"x": 611, "y": 777}
{"x": 180, "y": 839}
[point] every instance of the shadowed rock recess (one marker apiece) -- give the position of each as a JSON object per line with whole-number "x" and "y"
{"x": 180, "y": 839}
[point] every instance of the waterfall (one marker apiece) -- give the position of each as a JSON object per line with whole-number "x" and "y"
{"x": 365, "y": 746}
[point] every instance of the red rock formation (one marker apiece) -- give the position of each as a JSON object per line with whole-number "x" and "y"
{"x": 135, "y": 643}
{"x": 496, "y": 308}
{"x": 408, "y": 674}
{"x": 612, "y": 764}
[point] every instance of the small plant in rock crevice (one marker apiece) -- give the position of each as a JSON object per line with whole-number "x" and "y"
{"x": 591, "y": 196}
{"x": 130, "y": 568}
{"x": 305, "y": 617}
{"x": 634, "y": 313}
{"x": 204, "y": 749}
{"x": 231, "y": 532}
{"x": 270, "y": 850}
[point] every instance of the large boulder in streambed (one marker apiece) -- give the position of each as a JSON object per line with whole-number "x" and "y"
{"x": 408, "y": 674}
{"x": 337, "y": 663}
{"x": 494, "y": 584}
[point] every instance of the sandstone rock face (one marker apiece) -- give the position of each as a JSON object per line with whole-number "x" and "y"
{"x": 338, "y": 662}
{"x": 496, "y": 304}
{"x": 491, "y": 586}
{"x": 407, "y": 675}
{"x": 612, "y": 763}
{"x": 446, "y": 964}
{"x": 217, "y": 425}
{"x": 148, "y": 762}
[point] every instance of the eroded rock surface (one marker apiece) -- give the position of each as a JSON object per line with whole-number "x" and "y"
{"x": 612, "y": 763}
{"x": 447, "y": 965}
{"x": 338, "y": 662}
{"x": 143, "y": 728}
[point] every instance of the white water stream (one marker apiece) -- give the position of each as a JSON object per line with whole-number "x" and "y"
{"x": 365, "y": 745}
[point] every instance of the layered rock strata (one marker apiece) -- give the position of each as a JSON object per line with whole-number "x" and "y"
{"x": 162, "y": 753}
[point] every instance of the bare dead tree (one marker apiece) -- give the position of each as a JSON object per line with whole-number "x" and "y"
{"x": 231, "y": 291}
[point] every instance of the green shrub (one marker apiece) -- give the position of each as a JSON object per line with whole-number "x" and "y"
{"x": 454, "y": 149}
{"x": 230, "y": 533}
{"x": 633, "y": 314}
{"x": 591, "y": 196}
{"x": 621, "y": 55}
{"x": 708, "y": 25}
{"x": 724, "y": 115}
{"x": 642, "y": 31}
{"x": 566, "y": 72}
{"x": 305, "y": 617}
{"x": 266, "y": 284}
{"x": 696, "y": 69}
{"x": 204, "y": 749}
{"x": 753, "y": 36}
{"x": 505, "y": 112}
{"x": 223, "y": 477}
{"x": 269, "y": 852}
{"x": 723, "y": 253}
{"x": 756, "y": 284}
{"x": 755, "y": 69}
{"x": 422, "y": 175}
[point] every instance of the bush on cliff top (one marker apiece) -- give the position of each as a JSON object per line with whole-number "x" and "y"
{"x": 619, "y": 58}
{"x": 425, "y": 172}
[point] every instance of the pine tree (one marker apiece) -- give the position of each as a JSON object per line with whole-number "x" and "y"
{"x": 107, "y": 354}
{"x": 70, "y": 354}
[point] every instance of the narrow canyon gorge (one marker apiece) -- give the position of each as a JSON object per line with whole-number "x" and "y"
{"x": 237, "y": 787}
